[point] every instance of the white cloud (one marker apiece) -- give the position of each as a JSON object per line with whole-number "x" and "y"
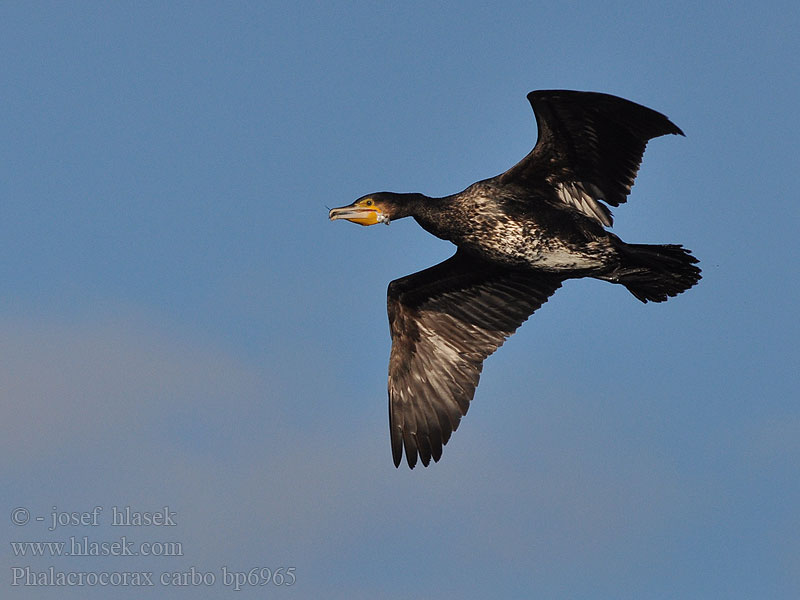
{"x": 74, "y": 383}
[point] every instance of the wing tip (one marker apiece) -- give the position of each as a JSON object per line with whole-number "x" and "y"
{"x": 668, "y": 126}
{"x": 414, "y": 450}
{"x": 397, "y": 444}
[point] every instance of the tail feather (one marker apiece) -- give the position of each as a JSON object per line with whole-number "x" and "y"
{"x": 655, "y": 273}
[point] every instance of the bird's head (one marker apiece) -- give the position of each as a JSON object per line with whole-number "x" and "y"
{"x": 381, "y": 207}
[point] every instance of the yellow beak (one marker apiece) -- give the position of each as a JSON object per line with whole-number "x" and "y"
{"x": 363, "y": 215}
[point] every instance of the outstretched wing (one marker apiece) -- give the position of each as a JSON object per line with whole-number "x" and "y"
{"x": 589, "y": 148}
{"x": 444, "y": 322}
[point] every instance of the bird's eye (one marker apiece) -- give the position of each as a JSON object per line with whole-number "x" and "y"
{"x": 368, "y": 202}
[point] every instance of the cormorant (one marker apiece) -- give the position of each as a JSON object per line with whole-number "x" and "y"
{"x": 519, "y": 236}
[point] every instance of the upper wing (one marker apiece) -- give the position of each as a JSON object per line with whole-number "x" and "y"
{"x": 589, "y": 148}
{"x": 444, "y": 322}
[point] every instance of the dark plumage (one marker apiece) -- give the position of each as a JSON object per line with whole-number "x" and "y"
{"x": 519, "y": 236}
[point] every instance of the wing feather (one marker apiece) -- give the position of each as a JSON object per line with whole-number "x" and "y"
{"x": 444, "y": 322}
{"x": 589, "y": 148}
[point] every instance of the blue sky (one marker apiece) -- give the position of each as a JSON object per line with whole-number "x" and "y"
{"x": 181, "y": 326}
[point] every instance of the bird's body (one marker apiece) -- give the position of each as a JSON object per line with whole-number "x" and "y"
{"x": 511, "y": 226}
{"x": 519, "y": 236}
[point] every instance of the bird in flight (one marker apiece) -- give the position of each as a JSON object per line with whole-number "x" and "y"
{"x": 519, "y": 235}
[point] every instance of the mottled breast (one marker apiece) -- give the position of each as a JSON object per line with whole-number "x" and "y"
{"x": 499, "y": 225}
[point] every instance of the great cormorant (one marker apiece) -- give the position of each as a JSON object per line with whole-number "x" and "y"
{"x": 519, "y": 236}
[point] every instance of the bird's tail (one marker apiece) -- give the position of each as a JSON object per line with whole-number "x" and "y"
{"x": 653, "y": 272}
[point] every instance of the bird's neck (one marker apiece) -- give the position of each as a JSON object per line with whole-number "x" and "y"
{"x": 409, "y": 204}
{"x": 431, "y": 214}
